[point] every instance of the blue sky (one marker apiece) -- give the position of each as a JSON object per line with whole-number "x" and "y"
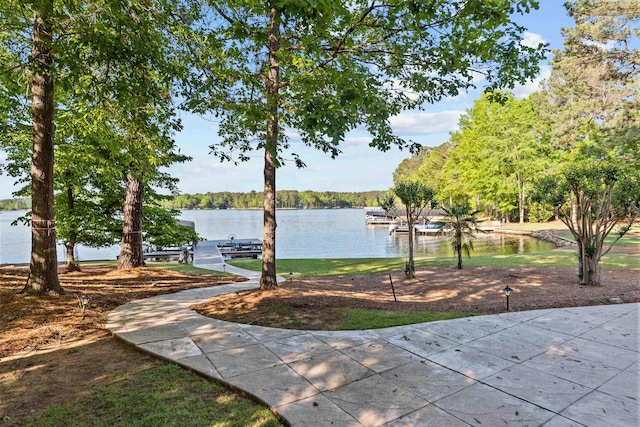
{"x": 359, "y": 167}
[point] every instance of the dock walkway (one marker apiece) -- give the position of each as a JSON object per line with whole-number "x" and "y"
{"x": 206, "y": 254}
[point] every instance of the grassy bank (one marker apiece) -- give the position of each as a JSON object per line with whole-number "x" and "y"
{"x": 355, "y": 266}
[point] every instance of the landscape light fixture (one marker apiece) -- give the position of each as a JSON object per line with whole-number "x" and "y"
{"x": 507, "y": 291}
{"x": 83, "y": 301}
{"x": 291, "y": 275}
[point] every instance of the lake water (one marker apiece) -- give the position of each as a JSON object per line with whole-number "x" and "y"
{"x": 324, "y": 233}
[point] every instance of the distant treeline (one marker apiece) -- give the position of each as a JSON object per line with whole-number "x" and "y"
{"x": 15, "y": 204}
{"x": 285, "y": 199}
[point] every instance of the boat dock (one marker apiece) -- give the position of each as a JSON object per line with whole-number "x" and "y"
{"x": 375, "y": 217}
{"x": 432, "y": 229}
{"x": 435, "y": 228}
{"x": 166, "y": 254}
{"x": 212, "y": 252}
{"x": 240, "y": 248}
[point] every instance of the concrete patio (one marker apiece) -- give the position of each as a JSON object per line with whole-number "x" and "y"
{"x": 556, "y": 367}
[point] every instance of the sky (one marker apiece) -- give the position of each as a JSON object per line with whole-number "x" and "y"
{"x": 359, "y": 167}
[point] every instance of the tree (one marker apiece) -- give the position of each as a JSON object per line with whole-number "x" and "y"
{"x": 91, "y": 50}
{"x": 319, "y": 69}
{"x": 593, "y": 88}
{"x": 461, "y": 220}
{"x": 387, "y": 202}
{"x": 408, "y": 168}
{"x": 500, "y": 149}
{"x": 591, "y": 197}
{"x": 43, "y": 268}
{"x": 416, "y": 197}
{"x": 431, "y": 171}
{"x": 591, "y": 101}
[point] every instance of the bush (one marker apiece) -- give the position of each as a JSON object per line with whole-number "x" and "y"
{"x": 540, "y": 212}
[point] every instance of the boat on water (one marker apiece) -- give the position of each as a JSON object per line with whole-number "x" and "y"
{"x": 379, "y": 217}
{"x": 240, "y": 248}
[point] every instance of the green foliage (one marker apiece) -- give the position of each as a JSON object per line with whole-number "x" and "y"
{"x": 407, "y": 170}
{"x": 414, "y": 195}
{"x": 461, "y": 220}
{"x": 431, "y": 170}
{"x": 163, "y": 229}
{"x": 416, "y": 198}
{"x": 540, "y": 212}
{"x": 498, "y": 152}
{"x": 592, "y": 93}
{"x": 592, "y": 197}
{"x": 591, "y": 102}
{"x": 325, "y": 51}
{"x": 114, "y": 70}
{"x": 374, "y": 319}
{"x": 387, "y": 201}
{"x": 320, "y": 69}
{"x": 285, "y": 199}
{"x": 15, "y": 204}
{"x": 160, "y": 394}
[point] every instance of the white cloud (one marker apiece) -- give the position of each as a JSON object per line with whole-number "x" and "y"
{"x": 608, "y": 46}
{"x": 532, "y": 39}
{"x": 354, "y": 141}
{"x": 421, "y": 123}
{"x": 522, "y": 91}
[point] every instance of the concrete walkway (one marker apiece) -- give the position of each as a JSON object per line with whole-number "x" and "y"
{"x": 557, "y": 367}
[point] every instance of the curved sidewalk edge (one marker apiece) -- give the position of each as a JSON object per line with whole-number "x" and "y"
{"x": 555, "y": 367}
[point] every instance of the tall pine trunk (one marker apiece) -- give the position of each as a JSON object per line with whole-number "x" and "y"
{"x": 521, "y": 199}
{"x": 43, "y": 270}
{"x": 268, "y": 280}
{"x": 131, "y": 255}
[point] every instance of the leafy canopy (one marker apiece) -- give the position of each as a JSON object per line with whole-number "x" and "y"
{"x": 342, "y": 64}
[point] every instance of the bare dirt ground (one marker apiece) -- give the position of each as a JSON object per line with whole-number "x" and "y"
{"x": 311, "y": 303}
{"x": 49, "y": 354}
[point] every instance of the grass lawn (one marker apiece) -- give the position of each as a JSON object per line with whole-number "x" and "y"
{"x": 355, "y": 266}
{"x": 374, "y": 319}
{"x": 161, "y": 394}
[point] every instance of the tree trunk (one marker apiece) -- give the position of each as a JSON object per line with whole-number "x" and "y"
{"x": 43, "y": 270}
{"x": 580, "y": 261}
{"x": 459, "y": 252}
{"x": 521, "y": 200}
{"x": 590, "y": 270}
{"x": 268, "y": 280}
{"x": 131, "y": 255}
{"x": 410, "y": 223}
{"x": 72, "y": 263}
